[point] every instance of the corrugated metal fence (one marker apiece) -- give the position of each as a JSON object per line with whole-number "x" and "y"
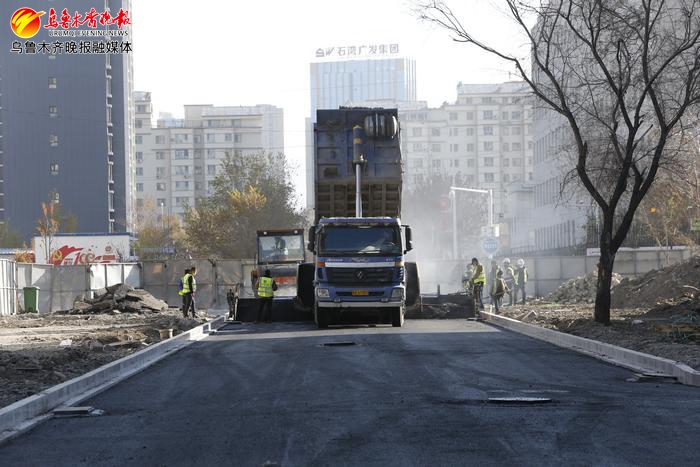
{"x": 8, "y": 287}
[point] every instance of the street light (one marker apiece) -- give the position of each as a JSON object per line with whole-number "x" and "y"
{"x": 453, "y": 195}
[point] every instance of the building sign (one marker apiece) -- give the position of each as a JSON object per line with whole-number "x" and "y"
{"x": 89, "y": 27}
{"x": 83, "y": 249}
{"x": 371, "y": 50}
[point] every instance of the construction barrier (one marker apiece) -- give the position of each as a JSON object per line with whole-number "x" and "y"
{"x": 8, "y": 287}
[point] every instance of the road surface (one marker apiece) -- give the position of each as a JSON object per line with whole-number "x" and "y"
{"x": 254, "y": 394}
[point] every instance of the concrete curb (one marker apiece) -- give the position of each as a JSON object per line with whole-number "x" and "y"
{"x": 26, "y": 413}
{"x": 631, "y": 359}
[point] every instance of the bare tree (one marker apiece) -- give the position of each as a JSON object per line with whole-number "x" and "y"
{"x": 47, "y": 226}
{"x": 622, "y": 75}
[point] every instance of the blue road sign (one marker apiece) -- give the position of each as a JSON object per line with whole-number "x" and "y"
{"x": 490, "y": 245}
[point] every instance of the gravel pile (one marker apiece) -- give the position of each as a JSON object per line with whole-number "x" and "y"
{"x": 122, "y": 298}
{"x": 580, "y": 289}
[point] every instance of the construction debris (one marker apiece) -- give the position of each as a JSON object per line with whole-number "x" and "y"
{"x": 117, "y": 299}
{"x": 581, "y": 289}
{"x": 667, "y": 287}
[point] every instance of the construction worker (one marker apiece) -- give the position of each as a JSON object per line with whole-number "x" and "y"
{"x": 509, "y": 278}
{"x": 478, "y": 280}
{"x": 493, "y": 273}
{"x": 498, "y": 289}
{"x": 189, "y": 288}
{"x": 520, "y": 280}
{"x": 181, "y": 292}
{"x": 266, "y": 292}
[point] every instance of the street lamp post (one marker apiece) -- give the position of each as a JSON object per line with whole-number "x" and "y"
{"x": 453, "y": 196}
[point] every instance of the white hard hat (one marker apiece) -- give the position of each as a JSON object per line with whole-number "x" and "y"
{"x": 521, "y": 263}
{"x": 507, "y": 260}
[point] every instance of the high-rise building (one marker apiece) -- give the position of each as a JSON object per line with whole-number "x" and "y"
{"x": 66, "y": 119}
{"x": 177, "y": 159}
{"x": 337, "y": 83}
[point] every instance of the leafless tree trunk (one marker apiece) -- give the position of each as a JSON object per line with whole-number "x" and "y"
{"x": 622, "y": 75}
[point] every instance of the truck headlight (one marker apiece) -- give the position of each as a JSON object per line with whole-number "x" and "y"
{"x": 397, "y": 293}
{"x": 322, "y": 293}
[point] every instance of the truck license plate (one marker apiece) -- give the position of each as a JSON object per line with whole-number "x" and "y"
{"x": 362, "y": 293}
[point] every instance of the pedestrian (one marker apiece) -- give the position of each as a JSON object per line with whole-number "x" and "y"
{"x": 520, "y": 280}
{"x": 189, "y": 289}
{"x": 478, "y": 280}
{"x": 509, "y": 278}
{"x": 266, "y": 293}
{"x": 181, "y": 292}
{"x": 499, "y": 289}
{"x": 493, "y": 273}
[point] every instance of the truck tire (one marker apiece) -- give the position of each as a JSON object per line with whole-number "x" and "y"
{"x": 397, "y": 317}
{"x": 305, "y": 284}
{"x": 321, "y": 317}
{"x": 412, "y": 284}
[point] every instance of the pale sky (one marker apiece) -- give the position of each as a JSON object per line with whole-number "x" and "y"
{"x": 258, "y": 52}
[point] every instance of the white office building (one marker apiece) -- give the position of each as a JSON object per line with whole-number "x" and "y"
{"x": 178, "y": 158}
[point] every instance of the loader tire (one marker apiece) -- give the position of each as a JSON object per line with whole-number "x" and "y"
{"x": 412, "y": 284}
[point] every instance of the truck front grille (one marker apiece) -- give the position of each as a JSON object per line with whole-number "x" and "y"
{"x": 365, "y": 276}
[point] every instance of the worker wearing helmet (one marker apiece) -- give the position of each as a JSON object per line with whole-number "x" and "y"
{"x": 509, "y": 279}
{"x": 520, "y": 280}
{"x": 266, "y": 292}
{"x": 478, "y": 280}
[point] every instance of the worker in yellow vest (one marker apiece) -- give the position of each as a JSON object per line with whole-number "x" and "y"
{"x": 266, "y": 292}
{"x": 181, "y": 292}
{"x": 478, "y": 281}
{"x": 189, "y": 288}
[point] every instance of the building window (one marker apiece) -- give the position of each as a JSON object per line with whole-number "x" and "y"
{"x": 138, "y": 123}
{"x": 160, "y": 172}
{"x": 53, "y": 82}
{"x": 211, "y": 170}
{"x": 237, "y": 138}
{"x": 488, "y": 161}
{"x": 182, "y": 185}
{"x": 488, "y": 177}
{"x": 454, "y": 116}
{"x": 504, "y": 115}
{"x": 417, "y": 132}
{"x": 487, "y": 100}
{"x": 516, "y": 115}
{"x": 182, "y": 154}
{"x": 517, "y": 162}
{"x": 53, "y": 168}
{"x": 198, "y": 170}
{"x": 506, "y": 147}
{"x": 139, "y": 203}
{"x": 506, "y": 162}
{"x": 529, "y": 176}
{"x": 488, "y": 115}
{"x": 211, "y": 138}
{"x": 517, "y": 147}
{"x": 142, "y": 109}
{"x": 530, "y": 145}
{"x": 505, "y": 131}
{"x": 139, "y": 157}
{"x": 228, "y": 137}
{"x": 139, "y": 139}
{"x": 181, "y": 138}
{"x": 506, "y": 178}
{"x": 435, "y": 132}
{"x": 454, "y": 147}
{"x": 160, "y": 139}
{"x": 139, "y": 171}
{"x": 418, "y": 163}
{"x": 470, "y": 131}
{"x": 181, "y": 200}
{"x": 517, "y": 130}
{"x": 435, "y": 147}
{"x": 529, "y": 160}
{"x": 454, "y": 131}
{"x": 198, "y": 185}
{"x": 55, "y": 198}
{"x": 139, "y": 187}
{"x": 53, "y": 140}
{"x": 470, "y": 147}
{"x": 161, "y": 202}
{"x": 470, "y": 115}
{"x": 488, "y": 130}
{"x": 211, "y": 153}
{"x": 436, "y": 163}
{"x": 470, "y": 162}
{"x": 160, "y": 155}
{"x": 182, "y": 170}
{"x": 488, "y": 145}
{"x": 160, "y": 186}
{"x": 197, "y": 153}
{"x": 417, "y": 146}
{"x": 53, "y": 111}
{"x": 455, "y": 163}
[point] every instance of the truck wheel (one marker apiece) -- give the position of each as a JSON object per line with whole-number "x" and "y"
{"x": 321, "y": 317}
{"x": 397, "y": 316}
{"x": 412, "y": 284}
{"x": 305, "y": 284}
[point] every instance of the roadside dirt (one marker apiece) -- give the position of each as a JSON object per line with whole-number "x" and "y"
{"x": 40, "y": 351}
{"x": 664, "y": 331}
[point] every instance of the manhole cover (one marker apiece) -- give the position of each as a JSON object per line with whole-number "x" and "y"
{"x": 519, "y": 400}
{"x": 338, "y": 344}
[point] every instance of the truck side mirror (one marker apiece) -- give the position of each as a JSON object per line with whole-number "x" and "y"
{"x": 409, "y": 242}
{"x": 311, "y": 246}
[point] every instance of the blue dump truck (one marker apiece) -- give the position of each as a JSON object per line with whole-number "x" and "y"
{"x": 357, "y": 239}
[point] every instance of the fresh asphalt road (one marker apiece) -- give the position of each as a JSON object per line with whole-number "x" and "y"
{"x": 255, "y": 394}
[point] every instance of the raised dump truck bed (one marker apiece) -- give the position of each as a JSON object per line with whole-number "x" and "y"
{"x": 334, "y": 172}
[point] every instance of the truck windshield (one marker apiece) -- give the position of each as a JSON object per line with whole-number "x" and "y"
{"x": 360, "y": 240}
{"x": 280, "y": 248}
